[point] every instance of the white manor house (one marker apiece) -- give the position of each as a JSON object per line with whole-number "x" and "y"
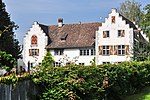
{"x": 108, "y": 42}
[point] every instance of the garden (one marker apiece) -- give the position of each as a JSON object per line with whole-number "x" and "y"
{"x": 103, "y": 82}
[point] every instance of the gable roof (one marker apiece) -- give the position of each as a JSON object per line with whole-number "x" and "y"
{"x": 131, "y": 24}
{"x": 44, "y": 28}
{"x": 72, "y": 35}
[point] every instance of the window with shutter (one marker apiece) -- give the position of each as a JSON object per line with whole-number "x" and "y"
{"x": 105, "y": 50}
{"x": 100, "y": 50}
{"x": 113, "y": 19}
{"x": 33, "y": 52}
{"x": 121, "y": 50}
{"x": 121, "y": 33}
{"x": 127, "y": 49}
{"x": 34, "y": 40}
{"x": 105, "y": 34}
{"x": 111, "y": 50}
{"x": 115, "y": 49}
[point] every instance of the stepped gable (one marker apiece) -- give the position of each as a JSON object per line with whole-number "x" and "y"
{"x": 131, "y": 24}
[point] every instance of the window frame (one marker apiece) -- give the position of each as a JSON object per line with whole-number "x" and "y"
{"x": 121, "y": 50}
{"x": 33, "y": 52}
{"x": 82, "y": 64}
{"x": 87, "y": 52}
{"x": 58, "y": 52}
{"x": 93, "y": 52}
{"x": 106, "y": 35}
{"x": 34, "y": 40}
{"x": 121, "y": 33}
{"x": 105, "y": 50}
{"x": 113, "y": 19}
{"x": 57, "y": 64}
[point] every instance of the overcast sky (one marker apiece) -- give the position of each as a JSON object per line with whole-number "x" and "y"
{"x": 25, "y": 12}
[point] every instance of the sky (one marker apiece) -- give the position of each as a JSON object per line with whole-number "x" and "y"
{"x": 47, "y": 12}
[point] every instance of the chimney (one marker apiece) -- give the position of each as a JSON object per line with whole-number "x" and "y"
{"x": 60, "y": 22}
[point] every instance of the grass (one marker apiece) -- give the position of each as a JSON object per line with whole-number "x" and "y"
{"x": 143, "y": 95}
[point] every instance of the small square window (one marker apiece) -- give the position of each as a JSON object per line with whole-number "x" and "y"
{"x": 105, "y": 34}
{"x": 121, "y": 33}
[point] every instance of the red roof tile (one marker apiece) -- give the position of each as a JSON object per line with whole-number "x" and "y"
{"x": 72, "y": 35}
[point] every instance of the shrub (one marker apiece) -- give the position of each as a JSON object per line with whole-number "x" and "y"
{"x": 107, "y": 81}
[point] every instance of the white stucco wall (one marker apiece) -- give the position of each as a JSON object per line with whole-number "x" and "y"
{"x": 42, "y": 40}
{"x": 113, "y": 38}
{"x": 71, "y": 55}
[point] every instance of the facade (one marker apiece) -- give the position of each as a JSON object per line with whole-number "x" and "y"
{"x": 68, "y": 43}
{"x": 116, "y": 38}
{"x": 108, "y": 42}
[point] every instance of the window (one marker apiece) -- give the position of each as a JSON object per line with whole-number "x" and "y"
{"x": 113, "y": 19}
{"x": 121, "y": 49}
{"x": 121, "y": 33}
{"x": 33, "y": 52}
{"x": 87, "y": 52}
{"x": 81, "y": 63}
{"x": 34, "y": 40}
{"x": 31, "y": 65}
{"x": 106, "y": 62}
{"x": 58, "y": 51}
{"x": 92, "y": 51}
{"x": 105, "y": 34}
{"x": 57, "y": 64}
{"x": 105, "y": 50}
{"x": 84, "y": 52}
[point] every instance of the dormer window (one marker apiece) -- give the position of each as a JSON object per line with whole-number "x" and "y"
{"x": 64, "y": 36}
{"x": 113, "y": 19}
{"x": 34, "y": 40}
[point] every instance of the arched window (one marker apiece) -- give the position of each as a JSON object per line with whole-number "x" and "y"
{"x": 34, "y": 40}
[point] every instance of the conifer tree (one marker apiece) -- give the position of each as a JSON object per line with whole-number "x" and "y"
{"x": 48, "y": 60}
{"x": 8, "y": 43}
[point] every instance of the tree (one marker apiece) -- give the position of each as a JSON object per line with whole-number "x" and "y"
{"x": 141, "y": 51}
{"x": 145, "y": 24}
{"x": 131, "y": 10}
{"x": 48, "y": 60}
{"x": 8, "y": 43}
{"x": 6, "y": 60}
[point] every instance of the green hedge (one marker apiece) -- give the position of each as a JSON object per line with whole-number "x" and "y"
{"x": 109, "y": 81}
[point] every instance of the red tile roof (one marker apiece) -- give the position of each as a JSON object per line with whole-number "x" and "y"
{"x": 72, "y": 35}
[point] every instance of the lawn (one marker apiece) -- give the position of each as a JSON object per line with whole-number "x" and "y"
{"x": 143, "y": 95}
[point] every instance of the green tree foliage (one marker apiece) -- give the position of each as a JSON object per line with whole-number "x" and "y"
{"x": 7, "y": 41}
{"x": 48, "y": 60}
{"x": 131, "y": 10}
{"x": 145, "y": 24}
{"x": 141, "y": 51}
{"x": 6, "y": 60}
